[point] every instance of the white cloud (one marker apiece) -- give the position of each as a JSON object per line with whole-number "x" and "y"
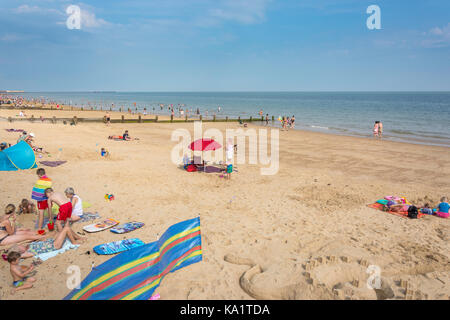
{"x": 437, "y": 37}
{"x": 242, "y": 11}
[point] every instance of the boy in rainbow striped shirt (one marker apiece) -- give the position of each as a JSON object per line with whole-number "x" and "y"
{"x": 38, "y": 194}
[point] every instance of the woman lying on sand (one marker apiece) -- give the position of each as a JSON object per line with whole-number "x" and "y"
{"x": 9, "y": 234}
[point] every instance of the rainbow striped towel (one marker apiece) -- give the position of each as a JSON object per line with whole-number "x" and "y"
{"x": 38, "y": 192}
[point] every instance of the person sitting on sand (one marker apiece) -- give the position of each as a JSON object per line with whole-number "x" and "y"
{"x": 22, "y": 137}
{"x": 443, "y": 208}
{"x": 104, "y": 152}
{"x": 426, "y": 209}
{"x": 77, "y": 204}
{"x": 126, "y": 136}
{"x": 26, "y": 206}
{"x": 9, "y": 233}
{"x": 20, "y": 274}
{"x": 4, "y": 146}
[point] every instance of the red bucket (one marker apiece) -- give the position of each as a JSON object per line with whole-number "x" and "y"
{"x": 50, "y": 226}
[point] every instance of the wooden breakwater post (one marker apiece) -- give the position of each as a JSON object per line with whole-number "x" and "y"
{"x": 214, "y": 118}
{"x": 140, "y": 119}
{"x": 32, "y": 118}
{"x": 171, "y": 118}
{"x": 82, "y": 108}
{"x": 75, "y": 120}
{"x": 186, "y": 118}
{"x": 201, "y": 117}
{"x": 156, "y": 118}
{"x": 226, "y": 119}
{"x": 123, "y": 119}
{"x": 273, "y": 118}
{"x": 262, "y": 118}
{"x": 251, "y": 118}
{"x": 54, "y": 119}
{"x": 9, "y": 119}
{"x": 239, "y": 118}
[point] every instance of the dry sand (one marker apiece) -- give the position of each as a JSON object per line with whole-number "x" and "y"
{"x": 304, "y": 233}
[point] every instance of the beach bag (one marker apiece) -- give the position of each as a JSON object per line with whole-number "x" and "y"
{"x": 413, "y": 212}
{"x": 191, "y": 168}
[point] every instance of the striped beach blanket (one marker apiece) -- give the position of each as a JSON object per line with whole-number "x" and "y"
{"x": 38, "y": 192}
{"x": 136, "y": 273}
{"x": 379, "y": 206}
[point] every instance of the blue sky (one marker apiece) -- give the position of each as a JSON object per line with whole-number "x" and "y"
{"x": 225, "y": 45}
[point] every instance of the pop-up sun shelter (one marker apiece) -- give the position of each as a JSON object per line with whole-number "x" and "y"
{"x": 17, "y": 157}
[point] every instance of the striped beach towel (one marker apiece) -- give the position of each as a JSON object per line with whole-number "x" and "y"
{"x": 38, "y": 192}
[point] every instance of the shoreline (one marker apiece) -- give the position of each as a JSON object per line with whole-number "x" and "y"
{"x": 97, "y": 116}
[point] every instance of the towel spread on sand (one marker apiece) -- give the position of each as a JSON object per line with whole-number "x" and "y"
{"x": 45, "y": 249}
{"x": 379, "y": 206}
{"x": 14, "y": 130}
{"x": 52, "y": 163}
{"x": 38, "y": 192}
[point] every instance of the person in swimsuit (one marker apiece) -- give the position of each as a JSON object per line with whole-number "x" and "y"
{"x": 375, "y": 129}
{"x": 9, "y": 233}
{"x": 20, "y": 274}
{"x": 293, "y": 122}
{"x": 380, "y": 129}
{"x": 108, "y": 119}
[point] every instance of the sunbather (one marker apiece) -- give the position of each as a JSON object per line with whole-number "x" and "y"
{"x": 9, "y": 233}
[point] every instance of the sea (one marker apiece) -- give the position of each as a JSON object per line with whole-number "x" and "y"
{"x": 414, "y": 117}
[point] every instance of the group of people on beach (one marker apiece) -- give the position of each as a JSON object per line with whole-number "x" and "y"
{"x": 378, "y": 129}
{"x": 287, "y": 123}
{"x": 70, "y": 210}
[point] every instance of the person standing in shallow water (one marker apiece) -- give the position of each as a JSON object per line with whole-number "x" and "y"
{"x": 380, "y": 129}
{"x": 375, "y": 129}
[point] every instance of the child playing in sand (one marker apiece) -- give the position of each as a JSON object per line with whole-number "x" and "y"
{"x": 77, "y": 204}
{"x": 20, "y": 274}
{"x": 104, "y": 152}
{"x": 426, "y": 209}
{"x": 65, "y": 207}
{"x": 26, "y": 207}
{"x": 443, "y": 208}
{"x": 38, "y": 194}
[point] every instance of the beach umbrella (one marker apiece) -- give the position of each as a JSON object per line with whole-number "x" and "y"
{"x": 204, "y": 145}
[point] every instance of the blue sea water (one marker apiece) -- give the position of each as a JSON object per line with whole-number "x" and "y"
{"x": 416, "y": 117}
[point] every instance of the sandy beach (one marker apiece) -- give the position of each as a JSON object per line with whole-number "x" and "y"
{"x": 304, "y": 233}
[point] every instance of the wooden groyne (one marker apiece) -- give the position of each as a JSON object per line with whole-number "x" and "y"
{"x": 123, "y": 119}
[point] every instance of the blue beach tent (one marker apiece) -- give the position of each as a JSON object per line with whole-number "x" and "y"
{"x": 17, "y": 157}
